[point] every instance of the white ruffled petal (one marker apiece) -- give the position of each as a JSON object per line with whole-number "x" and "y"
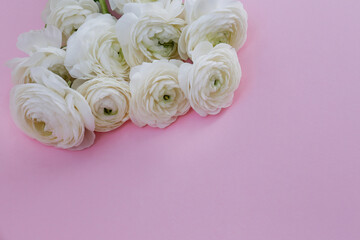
{"x": 32, "y": 41}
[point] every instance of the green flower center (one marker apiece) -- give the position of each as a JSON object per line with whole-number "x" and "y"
{"x": 161, "y": 46}
{"x": 118, "y": 54}
{"x": 121, "y": 54}
{"x": 40, "y": 127}
{"x": 167, "y": 45}
{"x": 217, "y": 38}
{"x": 166, "y": 97}
{"x": 108, "y": 112}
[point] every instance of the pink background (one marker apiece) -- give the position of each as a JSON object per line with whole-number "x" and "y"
{"x": 283, "y": 163}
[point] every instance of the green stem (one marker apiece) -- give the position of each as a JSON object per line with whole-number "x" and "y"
{"x": 104, "y": 8}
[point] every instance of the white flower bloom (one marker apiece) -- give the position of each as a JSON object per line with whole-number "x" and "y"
{"x": 109, "y": 101}
{"x": 118, "y": 5}
{"x": 216, "y": 21}
{"x": 43, "y": 46}
{"x": 150, "y": 31}
{"x": 68, "y": 15}
{"x": 51, "y": 112}
{"x": 211, "y": 81}
{"x": 157, "y": 99}
{"x": 95, "y": 51}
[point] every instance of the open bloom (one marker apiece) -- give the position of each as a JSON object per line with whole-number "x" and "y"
{"x": 44, "y": 49}
{"x": 118, "y": 5}
{"x": 95, "y": 51}
{"x": 150, "y": 31}
{"x": 51, "y": 112}
{"x": 109, "y": 101}
{"x": 157, "y": 99}
{"x": 216, "y": 21}
{"x": 68, "y": 15}
{"x": 211, "y": 81}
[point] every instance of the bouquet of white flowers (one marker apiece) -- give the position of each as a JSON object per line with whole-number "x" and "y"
{"x": 88, "y": 71}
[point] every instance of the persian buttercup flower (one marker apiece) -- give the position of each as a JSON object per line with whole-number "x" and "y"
{"x": 157, "y": 99}
{"x": 118, "y": 5}
{"x": 150, "y": 31}
{"x": 51, "y": 112}
{"x": 43, "y": 47}
{"x": 68, "y": 15}
{"x": 94, "y": 51}
{"x": 109, "y": 101}
{"x": 211, "y": 81}
{"x": 216, "y": 21}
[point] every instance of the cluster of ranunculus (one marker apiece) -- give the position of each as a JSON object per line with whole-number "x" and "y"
{"x": 88, "y": 71}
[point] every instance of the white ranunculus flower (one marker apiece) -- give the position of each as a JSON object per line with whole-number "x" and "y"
{"x": 109, "y": 100}
{"x": 44, "y": 48}
{"x": 211, "y": 81}
{"x": 118, "y": 5}
{"x": 216, "y": 21}
{"x": 150, "y": 31}
{"x": 156, "y": 97}
{"x": 51, "y": 112}
{"x": 95, "y": 51}
{"x": 68, "y": 15}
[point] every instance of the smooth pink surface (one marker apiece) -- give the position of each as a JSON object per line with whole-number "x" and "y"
{"x": 283, "y": 163}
